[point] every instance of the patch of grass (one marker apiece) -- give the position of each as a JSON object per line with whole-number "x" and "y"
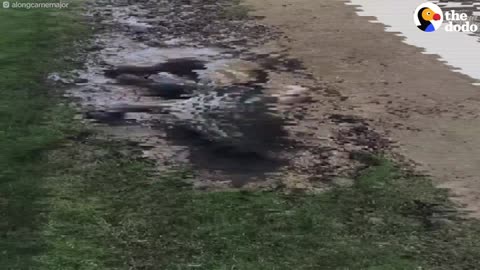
{"x": 32, "y": 44}
{"x": 387, "y": 220}
{"x": 236, "y": 10}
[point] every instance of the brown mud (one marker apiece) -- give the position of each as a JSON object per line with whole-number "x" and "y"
{"x": 429, "y": 111}
{"x": 126, "y": 67}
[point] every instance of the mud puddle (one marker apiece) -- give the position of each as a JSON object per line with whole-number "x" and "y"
{"x": 126, "y": 70}
{"x": 208, "y": 90}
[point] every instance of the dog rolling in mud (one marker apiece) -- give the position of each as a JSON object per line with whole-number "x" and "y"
{"x": 237, "y": 117}
{"x": 183, "y": 67}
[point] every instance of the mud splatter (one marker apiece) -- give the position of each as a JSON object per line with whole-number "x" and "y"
{"x": 194, "y": 84}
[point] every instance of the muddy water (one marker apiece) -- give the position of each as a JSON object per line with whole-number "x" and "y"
{"x": 166, "y": 143}
{"x": 306, "y": 146}
{"x": 461, "y": 51}
{"x": 131, "y": 36}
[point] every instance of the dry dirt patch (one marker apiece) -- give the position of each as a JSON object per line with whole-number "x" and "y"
{"x": 430, "y": 111}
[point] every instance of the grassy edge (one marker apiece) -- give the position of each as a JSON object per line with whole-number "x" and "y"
{"x": 387, "y": 220}
{"x": 34, "y": 43}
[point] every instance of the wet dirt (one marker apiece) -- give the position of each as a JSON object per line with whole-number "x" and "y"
{"x": 297, "y": 140}
{"x": 429, "y": 111}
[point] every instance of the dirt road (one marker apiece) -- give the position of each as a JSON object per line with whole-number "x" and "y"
{"x": 428, "y": 110}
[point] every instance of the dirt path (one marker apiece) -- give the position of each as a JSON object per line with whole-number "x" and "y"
{"x": 429, "y": 110}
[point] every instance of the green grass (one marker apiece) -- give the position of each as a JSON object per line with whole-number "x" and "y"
{"x": 385, "y": 221}
{"x": 32, "y": 44}
{"x": 73, "y": 201}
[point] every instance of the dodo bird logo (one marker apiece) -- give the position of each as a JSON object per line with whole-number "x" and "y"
{"x": 428, "y": 17}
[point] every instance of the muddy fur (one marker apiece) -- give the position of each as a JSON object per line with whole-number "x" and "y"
{"x": 184, "y": 67}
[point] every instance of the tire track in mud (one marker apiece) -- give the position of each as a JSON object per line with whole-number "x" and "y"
{"x": 304, "y": 144}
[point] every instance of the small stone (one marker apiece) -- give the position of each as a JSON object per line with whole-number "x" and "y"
{"x": 95, "y": 47}
{"x": 139, "y": 29}
{"x": 343, "y": 182}
{"x": 80, "y": 80}
{"x": 442, "y": 222}
{"x": 339, "y": 80}
{"x": 375, "y": 220}
{"x": 58, "y": 78}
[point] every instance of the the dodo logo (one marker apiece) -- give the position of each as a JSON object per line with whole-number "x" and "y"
{"x": 428, "y": 17}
